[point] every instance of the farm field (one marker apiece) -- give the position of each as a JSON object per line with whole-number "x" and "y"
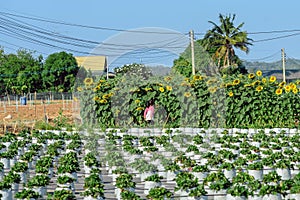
{"x": 15, "y": 118}
{"x": 182, "y": 163}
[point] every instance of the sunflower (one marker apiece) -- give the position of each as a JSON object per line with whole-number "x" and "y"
{"x": 278, "y": 91}
{"x": 272, "y": 79}
{"x": 187, "y": 94}
{"x": 230, "y": 94}
{"x": 79, "y": 89}
{"x": 139, "y": 108}
{"x": 102, "y": 81}
{"x": 103, "y": 101}
{"x": 293, "y": 85}
{"x": 264, "y": 80}
{"x": 247, "y": 85}
{"x": 88, "y": 81}
{"x": 259, "y": 88}
{"x": 168, "y": 78}
{"x": 298, "y": 82}
{"x": 212, "y": 89}
{"x": 161, "y": 89}
{"x": 236, "y": 82}
{"x": 287, "y": 88}
{"x": 197, "y": 77}
{"x": 96, "y": 98}
{"x": 258, "y": 73}
{"x": 169, "y": 88}
{"x": 281, "y": 84}
{"x": 137, "y": 101}
{"x": 148, "y": 89}
{"x": 295, "y": 90}
{"x": 251, "y": 75}
{"x": 105, "y": 96}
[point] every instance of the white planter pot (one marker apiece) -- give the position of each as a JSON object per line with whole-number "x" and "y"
{"x": 6, "y": 163}
{"x": 200, "y": 175}
{"x": 229, "y": 174}
{"x": 92, "y": 198}
{"x": 171, "y": 176}
{"x": 181, "y": 194}
{"x": 144, "y": 175}
{"x": 294, "y": 196}
{"x": 41, "y": 190}
{"x": 255, "y": 197}
{"x": 6, "y": 194}
{"x": 230, "y": 197}
{"x": 150, "y": 184}
{"x": 13, "y": 161}
{"x": 257, "y": 174}
{"x": 272, "y": 197}
{"x": 284, "y": 173}
{"x": 23, "y": 176}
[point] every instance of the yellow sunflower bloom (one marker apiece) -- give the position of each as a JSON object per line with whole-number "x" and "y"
{"x": 105, "y": 96}
{"x": 251, "y": 75}
{"x": 102, "y": 81}
{"x": 137, "y": 101}
{"x": 139, "y": 108}
{"x": 258, "y": 73}
{"x": 236, "y": 82}
{"x": 293, "y": 85}
{"x": 298, "y": 82}
{"x": 96, "y": 98}
{"x": 88, "y": 81}
{"x": 168, "y": 78}
{"x": 230, "y": 94}
{"x": 212, "y": 89}
{"x": 272, "y": 79}
{"x": 264, "y": 80}
{"x": 259, "y": 88}
{"x": 197, "y": 77}
{"x": 169, "y": 88}
{"x": 278, "y": 91}
{"x": 287, "y": 88}
{"x": 148, "y": 89}
{"x": 295, "y": 90}
{"x": 187, "y": 94}
{"x": 79, "y": 89}
{"x": 103, "y": 101}
{"x": 281, "y": 84}
{"x": 161, "y": 89}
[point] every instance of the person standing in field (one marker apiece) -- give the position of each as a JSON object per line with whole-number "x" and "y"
{"x": 149, "y": 112}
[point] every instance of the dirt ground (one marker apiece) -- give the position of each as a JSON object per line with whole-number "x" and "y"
{"x": 14, "y": 118}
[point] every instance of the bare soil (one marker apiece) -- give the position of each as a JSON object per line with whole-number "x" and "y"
{"x": 15, "y": 118}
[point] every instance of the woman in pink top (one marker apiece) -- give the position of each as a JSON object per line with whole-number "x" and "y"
{"x": 149, "y": 112}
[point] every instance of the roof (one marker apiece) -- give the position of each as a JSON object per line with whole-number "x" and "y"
{"x": 94, "y": 63}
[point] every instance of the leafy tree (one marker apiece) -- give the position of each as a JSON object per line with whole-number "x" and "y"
{"x": 134, "y": 69}
{"x": 224, "y": 38}
{"x": 20, "y": 72}
{"x": 60, "y": 70}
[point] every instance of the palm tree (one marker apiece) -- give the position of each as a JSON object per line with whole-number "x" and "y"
{"x": 224, "y": 38}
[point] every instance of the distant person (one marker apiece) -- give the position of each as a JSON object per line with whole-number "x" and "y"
{"x": 149, "y": 112}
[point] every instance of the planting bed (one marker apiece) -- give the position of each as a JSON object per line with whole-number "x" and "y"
{"x": 151, "y": 164}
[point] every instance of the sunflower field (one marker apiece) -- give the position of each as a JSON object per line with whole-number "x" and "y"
{"x": 240, "y": 101}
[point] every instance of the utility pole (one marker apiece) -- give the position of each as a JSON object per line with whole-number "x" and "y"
{"x": 283, "y": 64}
{"x": 192, "y": 51}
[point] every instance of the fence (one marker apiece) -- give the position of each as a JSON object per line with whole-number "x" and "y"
{"x": 27, "y": 109}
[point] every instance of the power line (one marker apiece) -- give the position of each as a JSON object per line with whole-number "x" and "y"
{"x": 83, "y": 26}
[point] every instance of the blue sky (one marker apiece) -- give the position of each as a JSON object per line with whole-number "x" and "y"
{"x": 176, "y": 16}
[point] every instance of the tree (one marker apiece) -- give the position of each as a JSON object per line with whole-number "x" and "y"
{"x": 224, "y": 38}
{"x": 20, "y": 72}
{"x": 60, "y": 70}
